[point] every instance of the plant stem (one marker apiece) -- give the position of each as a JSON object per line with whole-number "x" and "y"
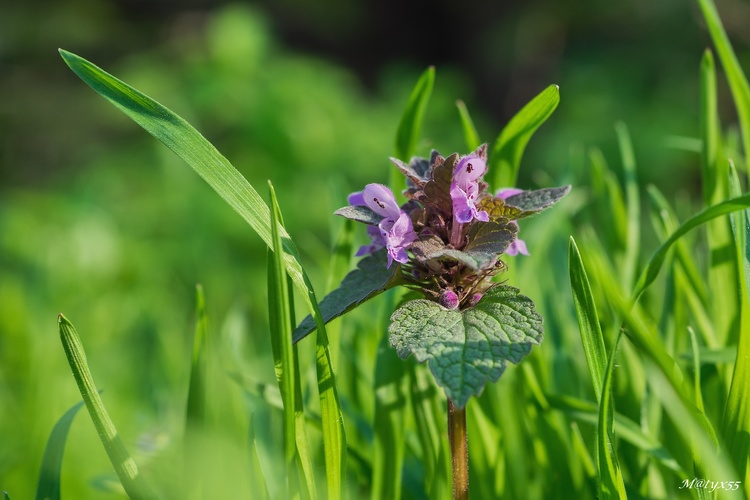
{"x": 459, "y": 450}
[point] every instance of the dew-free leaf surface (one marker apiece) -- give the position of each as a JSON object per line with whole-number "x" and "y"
{"x": 467, "y": 349}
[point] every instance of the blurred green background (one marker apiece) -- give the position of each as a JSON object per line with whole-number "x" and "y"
{"x": 101, "y": 222}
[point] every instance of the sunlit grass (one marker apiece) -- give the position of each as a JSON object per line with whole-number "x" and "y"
{"x": 672, "y": 395}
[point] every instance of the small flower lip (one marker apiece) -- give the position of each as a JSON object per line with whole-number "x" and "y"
{"x": 518, "y": 245}
{"x": 395, "y": 230}
{"x": 464, "y": 189}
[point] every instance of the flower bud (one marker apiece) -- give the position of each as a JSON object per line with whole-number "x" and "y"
{"x": 475, "y": 299}
{"x": 449, "y": 299}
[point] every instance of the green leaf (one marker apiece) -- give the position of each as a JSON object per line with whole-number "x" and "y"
{"x": 471, "y": 137}
{"x": 510, "y": 144}
{"x": 127, "y": 471}
{"x": 466, "y": 349}
{"x": 738, "y": 83}
{"x": 651, "y": 271}
{"x": 538, "y": 200}
{"x": 632, "y": 204}
{"x": 411, "y": 121}
{"x": 736, "y": 424}
{"x": 202, "y": 156}
{"x": 48, "y": 487}
{"x": 279, "y": 313}
{"x": 196, "y": 151}
{"x": 370, "y": 279}
{"x": 588, "y": 319}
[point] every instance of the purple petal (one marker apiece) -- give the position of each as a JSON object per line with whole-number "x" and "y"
{"x": 468, "y": 170}
{"x": 377, "y": 242}
{"x": 518, "y": 246}
{"x": 380, "y": 200}
{"x": 356, "y": 199}
{"x": 398, "y": 236}
{"x": 462, "y": 210}
{"x": 464, "y": 207}
{"x": 505, "y": 193}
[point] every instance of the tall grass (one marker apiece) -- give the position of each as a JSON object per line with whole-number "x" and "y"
{"x": 641, "y": 387}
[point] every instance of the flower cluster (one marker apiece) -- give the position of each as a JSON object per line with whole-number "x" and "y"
{"x": 448, "y": 238}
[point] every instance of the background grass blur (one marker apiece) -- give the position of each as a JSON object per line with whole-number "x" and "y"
{"x": 100, "y": 221}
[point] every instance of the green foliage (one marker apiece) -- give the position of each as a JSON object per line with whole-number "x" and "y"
{"x": 505, "y": 159}
{"x": 370, "y": 279}
{"x": 124, "y": 465}
{"x": 48, "y": 487}
{"x": 466, "y": 349}
{"x": 142, "y": 232}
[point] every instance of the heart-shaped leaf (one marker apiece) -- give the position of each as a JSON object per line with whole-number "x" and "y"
{"x": 466, "y": 349}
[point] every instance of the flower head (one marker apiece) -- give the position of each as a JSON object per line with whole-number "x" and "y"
{"x": 518, "y": 245}
{"x": 395, "y": 231}
{"x": 464, "y": 189}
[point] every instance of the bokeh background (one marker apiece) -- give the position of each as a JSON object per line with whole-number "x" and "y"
{"x": 101, "y": 222}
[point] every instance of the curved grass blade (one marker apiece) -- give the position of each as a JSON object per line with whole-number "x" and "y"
{"x": 611, "y": 484}
{"x": 723, "y": 272}
{"x": 588, "y": 319}
{"x": 48, "y": 487}
{"x": 125, "y": 468}
{"x": 625, "y": 428}
{"x": 651, "y": 271}
{"x": 471, "y": 137}
{"x": 736, "y": 422}
{"x": 510, "y": 144}
{"x": 202, "y": 156}
{"x": 738, "y": 83}
{"x": 410, "y": 126}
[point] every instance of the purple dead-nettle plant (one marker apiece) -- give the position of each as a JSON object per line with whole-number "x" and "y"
{"x": 447, "y": 242}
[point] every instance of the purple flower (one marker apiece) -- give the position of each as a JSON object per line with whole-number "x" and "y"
{"x": 395, "y": 231}
{"x": 465, "y": 189}
{"x": 518, "y": 245}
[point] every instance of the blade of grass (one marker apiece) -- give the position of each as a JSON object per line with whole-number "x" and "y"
{"x": 410, "y": 126}
{"x": 471, "y": 137}
{"x": 738, "y": 83}
{"x": 696, "y": 370}
{"x": 632, "y": 204}
{"x": 125, "y": 468}
{"x": 257, "y": 479}
{"x": 722, "y": 270}
{"x": 390, "y": 404}
{"x": 588, "y": 319}
{"x": 649, "y": 273}
{"x": 736, "y": 422}
{"x": 626, "y": 429}
{"x": 611, "y": 484}
{"x": 508, "y": 149}
{"x": 285, "y": 358}
{"x": 48, "y": 486}
{"x": 202, "y": 156}
{"x": 709, "y": 462}
{"x": 195, "y": 415}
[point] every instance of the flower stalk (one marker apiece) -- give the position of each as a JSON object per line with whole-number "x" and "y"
{"x": 459, "y": 441}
